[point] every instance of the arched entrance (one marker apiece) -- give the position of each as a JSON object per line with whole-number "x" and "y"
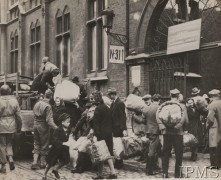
{"x": 180, "y": 70}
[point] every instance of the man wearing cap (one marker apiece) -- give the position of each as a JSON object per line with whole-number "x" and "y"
{"x": 48, "y": 66}
{"x": 173, "y": 136}
{"x": 118, "y": 115}
{"x": 153, "y": 134}
{"x": 83, "y": 92}
{"x": 43, "y": 121}
{"x": 10, "y": 123}
{"x": 147, "y": 99}
{"x": 214, "y": 127}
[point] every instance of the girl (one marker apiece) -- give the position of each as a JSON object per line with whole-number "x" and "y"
{"x": 59, "y": 153}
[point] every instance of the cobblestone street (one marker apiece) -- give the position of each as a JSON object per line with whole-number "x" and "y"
{"x": 132, "y": 170}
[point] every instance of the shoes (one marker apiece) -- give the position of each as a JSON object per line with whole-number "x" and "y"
{"x": 35, "y": 167}
{"x": 3, "y": 170}
{"x": 44, "y": 178}
{"x": 56, "y": 174}
{"x": 79, "y": 171}
{"x": 98, "y": 177}
{"x": 112, "y": 176}
{"x": 165, "y": 176}
{"x": 11, "y": 166}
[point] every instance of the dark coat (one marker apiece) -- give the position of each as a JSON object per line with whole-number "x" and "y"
{"x": 150, "y": 118}
{"x": 195, "y": 126}
{"x": 103, "y": 125}
{"x": 118, "y": 116}
{"x": 57, "y": 111}
{"x": 39, "y": 83}
{"x": 59, "y": 151}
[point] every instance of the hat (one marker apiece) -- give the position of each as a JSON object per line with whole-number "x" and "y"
{"x": 205, "y": 96}
{"x": 48, "y": 93}
{"x": 156, "y": 97}
{"x": 5, "y": 89}
{"x": 147, "y": 96}
{"x": 63, "y": 117}
{"x": 112, "y": 91}
{"x": 56, "y": 71}
{"x": 45, "y": 59}
{"x": 75, "y": 79}
{"x": 195, "y": 91}
{"x": 214, "y": 92}
{"x": 174, "y": 91}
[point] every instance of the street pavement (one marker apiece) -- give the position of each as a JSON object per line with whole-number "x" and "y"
{"x": 132, "y": 170}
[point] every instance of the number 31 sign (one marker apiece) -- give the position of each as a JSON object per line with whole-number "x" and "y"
{"x": 116, "y": 54}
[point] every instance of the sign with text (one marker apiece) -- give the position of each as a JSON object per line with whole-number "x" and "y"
{"x": 116, "y": 54}
{"x": 184, "y": 37}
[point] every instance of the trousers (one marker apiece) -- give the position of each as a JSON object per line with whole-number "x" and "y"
{"x": 5, "y": 147}
{"x": 215, "y": 155}
{"x": 170, "y": 141}
{"x": 41, "y": 139}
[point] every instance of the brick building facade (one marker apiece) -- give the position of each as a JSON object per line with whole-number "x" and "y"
{"x": 70, "y": 32}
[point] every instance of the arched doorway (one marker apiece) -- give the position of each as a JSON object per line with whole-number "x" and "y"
{"x": 179, "y": 70}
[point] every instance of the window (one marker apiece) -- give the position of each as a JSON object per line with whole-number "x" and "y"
{"x": 35, "y": 38}
{"x": 33, "y": 3}
{"x": 63, "y": 41}
{"x": 98, "y": 40}
{"x": 14, "y": 52}
{"x": 14, "y": 13}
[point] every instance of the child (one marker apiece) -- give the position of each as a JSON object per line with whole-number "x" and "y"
{"x": 59, "y": 153}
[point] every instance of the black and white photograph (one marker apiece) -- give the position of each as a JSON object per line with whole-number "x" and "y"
{"x": 110, "y": 89}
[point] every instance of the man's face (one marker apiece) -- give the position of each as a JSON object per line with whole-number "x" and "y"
{"x": 112, "y": 96}
{"x": 57, "y": 102}
{"x": 147, "y": 101}
{"x": 190, "y": 103}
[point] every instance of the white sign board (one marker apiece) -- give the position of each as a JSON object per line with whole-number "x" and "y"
{"x": 184, "y": 37}
{"x": 116, "y": 54}
{"x": 136, "y": 75}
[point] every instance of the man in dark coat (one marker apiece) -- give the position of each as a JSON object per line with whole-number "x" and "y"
{"x": 119, "y": 119}
{"x": 44, "y": 80}
{"x": 103, "y": 131}
{"x": 153, "y": 131}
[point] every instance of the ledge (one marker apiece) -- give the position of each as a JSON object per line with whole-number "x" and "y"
{"x": 190, "y": 74}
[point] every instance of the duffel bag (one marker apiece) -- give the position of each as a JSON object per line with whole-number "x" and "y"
{"x": 99, "y": 152}
{"x": 118, "y": 148}
{"x": 134, "y": 102}
{"x": 132, "y": 146}
{"x": 189, "y": 140}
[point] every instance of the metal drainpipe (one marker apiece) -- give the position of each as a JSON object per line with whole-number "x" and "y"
{"x": 127, "y": 46}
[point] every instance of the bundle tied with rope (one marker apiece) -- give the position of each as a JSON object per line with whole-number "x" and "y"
{"x": 170, "y": 113}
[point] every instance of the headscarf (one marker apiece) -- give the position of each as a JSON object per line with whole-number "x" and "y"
{"x": 98, "y": 97}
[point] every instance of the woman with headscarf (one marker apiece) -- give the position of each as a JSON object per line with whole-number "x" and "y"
{"x": 58, "y": 108}
{"x": 103, "y": 131}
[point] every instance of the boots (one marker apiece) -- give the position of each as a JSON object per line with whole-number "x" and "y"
{"x": 3, "y": 169}
{"x": 11, "y": 163}
{"x": 150, "y": 166}
{"x": 43, "y": 162}
{"x": 35, "y": 165}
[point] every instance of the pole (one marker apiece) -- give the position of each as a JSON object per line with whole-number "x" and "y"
{"x": 127, "y": 45}
{"x": 185, "y": 74}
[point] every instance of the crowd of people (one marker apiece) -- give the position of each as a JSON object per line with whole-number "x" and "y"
{"x": 99, "y": 118}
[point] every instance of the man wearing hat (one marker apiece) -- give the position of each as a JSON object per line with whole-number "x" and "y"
{"x": 118, "y": 115}
{"x": 195, "y": 94}
{"x": 214, "y": 127}
{"x": 83, "y": 92}
{"x": 48, "y": 66}
{"x": 10, "y": 123}
{"x": 43, "y": 121}
{"x": 147, "y": 99}
{"x": 173, "y": 136}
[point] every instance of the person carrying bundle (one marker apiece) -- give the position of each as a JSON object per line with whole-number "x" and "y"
{"x": 171, "y": 117}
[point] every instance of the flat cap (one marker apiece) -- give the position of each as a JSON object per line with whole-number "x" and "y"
{"x": 48, "y": 92}
{"x": 174, "y": 91}
{"x": 45, "y": 59}
{"x": 214, "y": 92}
{"x": 112, "y": 90}
{"x": 147, "y": 96}
{"x": 63, "y": 117}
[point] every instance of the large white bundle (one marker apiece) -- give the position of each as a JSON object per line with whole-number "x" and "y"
{"x": 170, "y": 113}
{"x": 135, "y": 102}
{"x": 67, "y": 90}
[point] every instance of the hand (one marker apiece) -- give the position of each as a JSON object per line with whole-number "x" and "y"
{"x": 95, "y": 139}
{"x": 76, "y": 104}
{"x": 124, "y": 133}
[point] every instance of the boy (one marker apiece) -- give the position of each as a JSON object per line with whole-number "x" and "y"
{"x": 59, "y": 150}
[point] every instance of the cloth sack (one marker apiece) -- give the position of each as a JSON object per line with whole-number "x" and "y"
{"x": 25, "y": 87}
{"x": 132, "y": 146}
{"x": 189, "y": 140}
{"x": 170, "y": 113}
{"x": 118, "y": 148}
{"x": 135, "y": 103}
{"x": 99, "y": 152}
{"x": 67, "y": 91}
